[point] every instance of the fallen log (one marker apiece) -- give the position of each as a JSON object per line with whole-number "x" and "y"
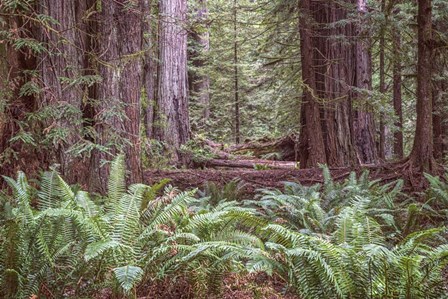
{"x": 251, "y": 164}
{"x": 283, "y": 149}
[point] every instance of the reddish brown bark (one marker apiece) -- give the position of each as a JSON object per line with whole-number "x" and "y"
{"x": 333, "y": 67}
{"x": 422, "y": 152}
{"x": 364, "y": 126}
{"x": 120, "y": 66}
{"x": 14, "y": 108}
{"x": 312, "y": 148}
{"x": 60, "y": 67}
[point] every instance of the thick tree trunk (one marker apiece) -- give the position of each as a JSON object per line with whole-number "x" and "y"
{"x": 120, "y": 66}
{"x": 422, "y": 151}
{"x": 60, "y": 68}
{"x": 364, "y": 125}
{"x": 312, "y": 148}
{"x": 334, "y": 72}
{"x": 14, "y": 107}
{"x": 397, "y": 81}
{"x": 172, "y": 128}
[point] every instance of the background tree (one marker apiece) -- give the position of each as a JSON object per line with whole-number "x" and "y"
{"x": 172, "y": 125}
{"x": 83, "y": 82}
{"x": 199, "y": 80}
{"x": 364, "y": 125}
{"x": 422, "y": 155}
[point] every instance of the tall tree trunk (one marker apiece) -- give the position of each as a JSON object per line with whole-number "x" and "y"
{"x": 312, "y": 148}
{"x": 236, "y": 78}
{"x": 60, "y": 67}
{"x": 173, "y": 127}
{"x": 422, "y": 151}
{"x": 334, "y": 73}
{"x": 120, "y": 66}
{"x": 382, "y": 142}
{"x": 364, "y": 121}
{"x": 150, "y": 66}
{"x": 13, "y": 106}
{"x": 397, "y": 99}
{"x": 200, "y": 82}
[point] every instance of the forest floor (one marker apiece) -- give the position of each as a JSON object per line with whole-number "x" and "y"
{"x": 250, "y": 164}
{"x": 255, "y": 179}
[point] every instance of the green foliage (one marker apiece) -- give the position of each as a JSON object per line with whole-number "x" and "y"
{"x": 135, "y": 233}
{"x": 354, "y": 239}
{"x": 197, "y": 151}
{"x": 347, "y": 240}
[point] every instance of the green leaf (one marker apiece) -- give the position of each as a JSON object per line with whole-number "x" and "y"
{"x": 128, "y": 276}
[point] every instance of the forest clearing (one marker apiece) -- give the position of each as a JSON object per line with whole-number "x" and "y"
{"x": 245, "y": 149}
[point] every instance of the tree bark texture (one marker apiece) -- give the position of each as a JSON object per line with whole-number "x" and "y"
{"x": 172, "y": 124}
{"x": 312, "y": 148}
{"x": 422, "y": 152}
{"x": 120, "y": 66}
{"x": 150, "y": 66}
{"x": 334, "y": 74}
{"x": 397, "y": 98}
{"x": 13, "y": 107}
{"x": 382, "y": 141}
{"x": 364, "y": 125}
{"x": 61, "y": 67}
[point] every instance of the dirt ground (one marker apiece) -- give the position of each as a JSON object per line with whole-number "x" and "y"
{"x": 253, "y": 179}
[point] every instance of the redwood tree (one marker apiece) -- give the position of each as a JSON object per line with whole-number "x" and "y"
{"x": 312, "y": 148}
{"x": 61, "y": 67}
{"x": 422, "y": 152}
{"x": 171, "y": 118}
{"x": 117, "y": 118}
{"x": 364, "y": 126}
{"x": 333, "y": 71}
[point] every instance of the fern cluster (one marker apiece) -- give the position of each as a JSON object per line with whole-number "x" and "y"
{"x": 58, "y": 238}
{"x": 351, "y": 240}
{"x": 336, "y": 240}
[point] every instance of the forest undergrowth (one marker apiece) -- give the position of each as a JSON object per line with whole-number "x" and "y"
{"x": 351, "y": 239}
